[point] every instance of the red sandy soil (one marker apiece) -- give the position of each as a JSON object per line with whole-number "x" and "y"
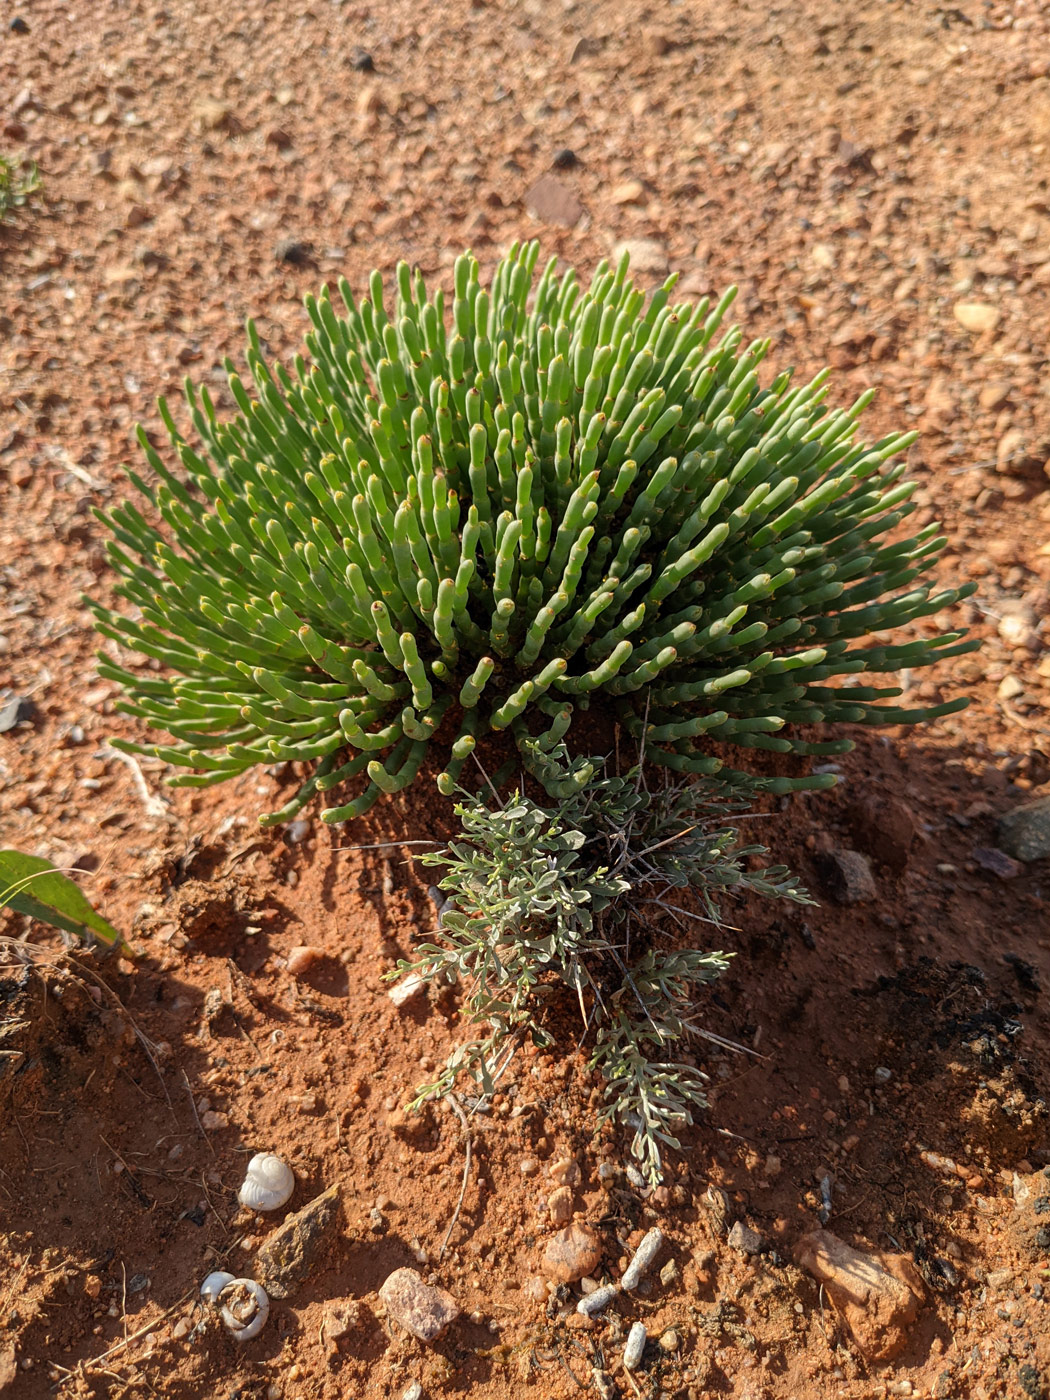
{"x": 860, "y": 170}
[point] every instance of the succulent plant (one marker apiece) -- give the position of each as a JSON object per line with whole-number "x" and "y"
{"x": 480, "y": 516}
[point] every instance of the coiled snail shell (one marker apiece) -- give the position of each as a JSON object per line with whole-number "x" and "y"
{"x": 245, "y": 1308}
{"x": 268, "y": 1183}
{"x": 213, "y": 1286}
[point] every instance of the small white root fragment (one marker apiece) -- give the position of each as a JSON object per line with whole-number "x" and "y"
{"x": 636, "y": 1340}
{"x": 593, "y": 1304}
{"x": 642, "y": 1262}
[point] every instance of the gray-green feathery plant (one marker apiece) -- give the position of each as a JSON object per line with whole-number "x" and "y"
{"x": 559, "y": 497}
{"x": 578, "y": 891}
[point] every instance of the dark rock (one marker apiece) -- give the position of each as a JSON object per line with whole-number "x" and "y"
{"x": 884, "y": 827}
{"x": 289, "y": 1256}
{"x": 564, "y": 159}
{"x": 997, "y": 862}
{"x": 291, "y": 250}
{"x": 848, "y": 877}
{"x": 1026, "y": 974}
{"x": 18, "y": 25}
{"x": 1032, "y": 1383}
{"x": 361, "y": 60}
{"x": 554, "y": 203}
{"x": 419, "y": 1308}
{"x": 1024, "y": 833}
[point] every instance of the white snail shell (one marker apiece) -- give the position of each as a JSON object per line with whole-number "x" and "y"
{"x": 245, "y": 1308}
{"x": 213, "y": 1286}
{"x": 269, "y": 1182}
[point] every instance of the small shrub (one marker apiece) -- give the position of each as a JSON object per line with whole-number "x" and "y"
{"x": 575, "y": 891}
{"x": 17, "y": 183}
{"x": 561, "y": 498}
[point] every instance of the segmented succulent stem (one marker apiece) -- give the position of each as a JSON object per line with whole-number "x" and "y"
{"x": 531, "y": 495}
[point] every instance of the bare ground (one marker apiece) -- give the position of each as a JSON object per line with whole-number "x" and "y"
{"x": 862, "y": 172}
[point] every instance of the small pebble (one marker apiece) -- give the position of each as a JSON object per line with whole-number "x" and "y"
{"x": 670, "y": 1341}
{"x": 882, "y": 1075}
{"x": 406, "y": 990}
{"x": 566, "y": 1172}
{"x": 302, "y": 958}
{"x": 745, "y": 1239}
{"x": 297, "y": 831}
{"x": 669, "y": 1274}
{"x": 635, "y": 1348}
{"x": 559, "y": 1206}
{"x": 421, "y": 1309}
{"x": 571, "y": 1253}
{"x": 339, "y": 1319}
{"x": 529, "y": 1166}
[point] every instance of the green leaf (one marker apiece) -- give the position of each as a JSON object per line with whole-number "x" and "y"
{"x": 33, "y": 886}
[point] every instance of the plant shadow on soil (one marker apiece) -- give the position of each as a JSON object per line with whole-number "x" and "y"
{"x": 117, "y": 1190}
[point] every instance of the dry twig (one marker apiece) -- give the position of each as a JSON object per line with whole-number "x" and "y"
{"x": 458, "y": 1107}
{"x": 154, "y": 805}
{"x": 83, "y": 1366}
